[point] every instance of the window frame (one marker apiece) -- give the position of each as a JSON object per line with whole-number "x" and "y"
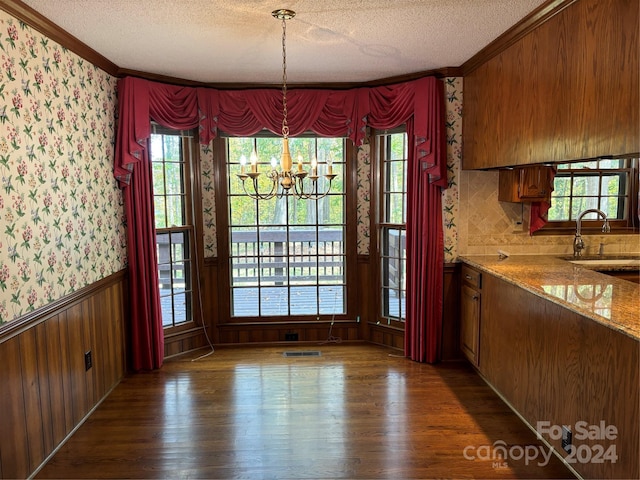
{"x": 378, "y": 225}
{"x": 193, "y": 220}
{"x": 594, "y": 226}
{"x": 223, "y": 231}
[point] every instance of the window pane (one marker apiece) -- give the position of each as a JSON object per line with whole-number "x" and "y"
{"x": 244, "y": 271}
{"x": 244, "y": 211}
{"x": 303, "y": 269}
{"x": 288, "y": 233}
{"x": 172, "y": 147}
{"x": 611, "y": 185}
{"x": 175, "y": 211}
{"x": 273, "y": 270}
{"x": 393, "y": 211}
{"x": 158, "y": 178}
{"x": 274, "y": 301}
{"x": 603, "y": 184}
{"x": 331, "y": 210}
{"x": 396, "y": 176}
{"x": 173, "y": 178}
{"x": 298, "y": 211}
{"x": 559, "y": 210}
{"x": 398, "y": 147}
{"x": 304, "y": 300}
{"x": 245, "y": 302}
{"x": 611, "y": 207}
{"x": 332, "y": 299}
{"x": 331, "y": 269}
{"x": 273, "y": 212}
{"x": 173, "y": 246}
{"x": 166, "y": 307}
{"x": 181, "y": 307}
{"x": 159, "y": 211}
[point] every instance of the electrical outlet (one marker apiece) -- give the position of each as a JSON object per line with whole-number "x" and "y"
{"x": 566, "y": 439}
{"x": 291, "y": 337}
{"x": 88, "y": 363}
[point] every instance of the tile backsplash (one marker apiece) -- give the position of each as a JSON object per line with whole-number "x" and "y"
{"x": 486, "y": 225}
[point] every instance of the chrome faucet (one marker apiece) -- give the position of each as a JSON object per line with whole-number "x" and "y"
{"x": 578, "y": 243}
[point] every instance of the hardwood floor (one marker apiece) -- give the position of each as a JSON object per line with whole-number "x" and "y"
{"x": 354, "y": 412}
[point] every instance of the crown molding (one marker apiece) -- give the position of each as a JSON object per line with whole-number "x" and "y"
{"x": 529, "y": 23}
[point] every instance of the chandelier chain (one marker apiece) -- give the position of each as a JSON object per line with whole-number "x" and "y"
{"x": 285, "y": 125}
{"x": 288, "y": 180}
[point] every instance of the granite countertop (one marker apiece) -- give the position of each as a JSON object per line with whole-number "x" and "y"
{"x": 610, "y": 301}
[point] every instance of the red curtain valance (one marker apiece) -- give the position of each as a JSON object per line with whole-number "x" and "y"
{"x": 419, "y": 104}
{"x": 328, "y": 113}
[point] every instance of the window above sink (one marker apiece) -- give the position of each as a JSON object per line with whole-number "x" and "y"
{"x": 608, "y": 184}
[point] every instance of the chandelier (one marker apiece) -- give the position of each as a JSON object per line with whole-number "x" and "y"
{"x": 285, "y": 180}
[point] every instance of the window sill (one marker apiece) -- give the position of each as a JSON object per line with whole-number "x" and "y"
{"x": 585, "y": 231}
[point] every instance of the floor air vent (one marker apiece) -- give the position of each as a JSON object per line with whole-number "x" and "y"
{"x": 302, "y": 353}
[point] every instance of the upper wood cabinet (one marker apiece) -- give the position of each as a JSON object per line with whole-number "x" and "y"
{"x": 567, "y": 90}
{"x": 525, "y": 184}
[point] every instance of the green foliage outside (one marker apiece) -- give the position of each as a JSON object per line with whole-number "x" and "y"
{"x": 583, "y": 185}
{"x": 168, "y": 172}
{"x": 245, "y": 211}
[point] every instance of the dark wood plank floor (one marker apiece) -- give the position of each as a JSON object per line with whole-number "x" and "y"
{"x": 354, "y": 412}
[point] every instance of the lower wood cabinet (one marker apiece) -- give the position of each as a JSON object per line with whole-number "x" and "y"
{"x": 470, "y": 296}
{"x": 556, "y": 367}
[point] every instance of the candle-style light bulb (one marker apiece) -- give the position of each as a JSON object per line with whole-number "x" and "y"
{"x": 299, "y": 163}
{"x": 254, "y": 161}
{"x": 243, "y": 163}
{"x": 314, "y": 166}
{"x": 330, "y": 165}
{"x": 274, "y": 162}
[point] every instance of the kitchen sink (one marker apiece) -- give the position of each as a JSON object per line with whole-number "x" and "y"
{"x": 607, "y": 261}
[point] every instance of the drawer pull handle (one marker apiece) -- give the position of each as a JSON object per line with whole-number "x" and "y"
{"x": 475, "y": 297}
{"x": 467, "y": 276}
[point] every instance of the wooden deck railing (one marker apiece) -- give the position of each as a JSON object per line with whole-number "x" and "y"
{"x": 266, "y": 255}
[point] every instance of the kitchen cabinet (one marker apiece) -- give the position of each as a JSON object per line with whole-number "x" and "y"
{"x": 525, "y": 184}
{"x": 470, "y": 296}
{"x": 552, "y": 364}
{"x": 568, "y": 89}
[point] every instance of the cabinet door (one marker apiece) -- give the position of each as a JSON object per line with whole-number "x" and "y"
{"x": 470, "y": 323}
{"x": 534, "y": 183}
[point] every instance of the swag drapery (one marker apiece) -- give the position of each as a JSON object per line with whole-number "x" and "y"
{"x": 418, "y": 103}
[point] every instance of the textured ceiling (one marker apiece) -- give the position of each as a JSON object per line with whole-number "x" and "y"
{"x": 238, "y": 41}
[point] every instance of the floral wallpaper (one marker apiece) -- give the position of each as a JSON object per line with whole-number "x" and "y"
{"x": 208, "y": 202}
{"x": 364, "y": 198}
{"x": 451, "y": 196}
{"x": 62, "y": 216}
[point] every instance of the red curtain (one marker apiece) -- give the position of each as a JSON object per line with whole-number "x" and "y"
{"x": 423, "y": 113}
{"x": 417, "y": 103}
{"x": 174, "y": 107}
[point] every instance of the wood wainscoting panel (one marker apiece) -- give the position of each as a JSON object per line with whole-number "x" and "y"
{"x": 14, "y": 448}
{"x": 46, "y": 390}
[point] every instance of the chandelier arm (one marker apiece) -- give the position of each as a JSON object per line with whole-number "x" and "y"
{"x": 313, "y": 195}
{"x": 256, "y": 195}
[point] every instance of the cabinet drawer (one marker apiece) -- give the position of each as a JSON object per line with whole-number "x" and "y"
{"x": 471, "y": 277}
